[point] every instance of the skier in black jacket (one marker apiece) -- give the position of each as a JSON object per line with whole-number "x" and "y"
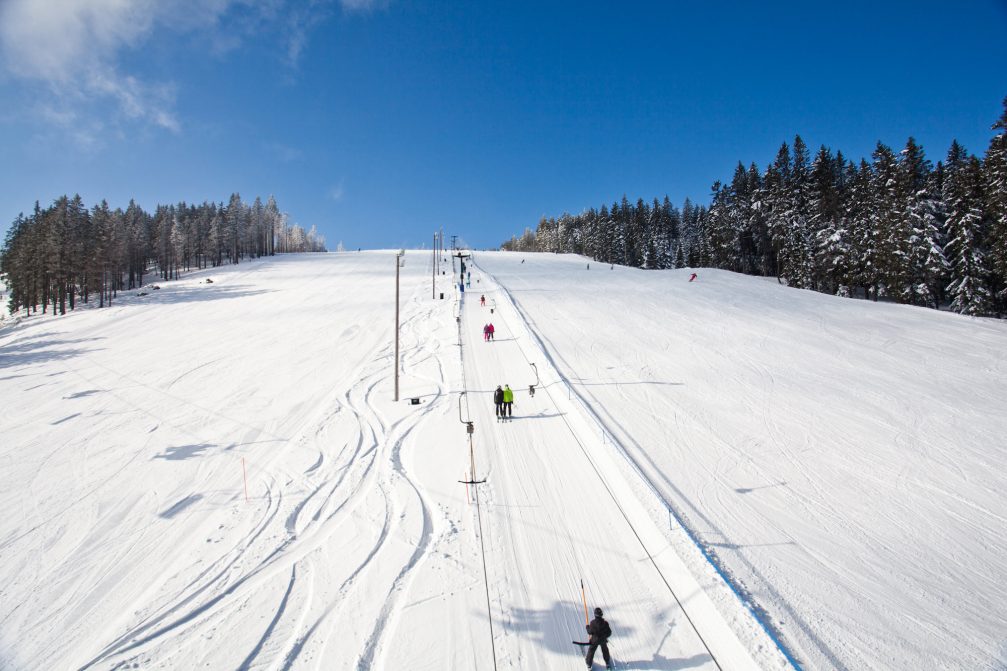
{"x": 498, "y": 397}
{"x": 599, "y": 631}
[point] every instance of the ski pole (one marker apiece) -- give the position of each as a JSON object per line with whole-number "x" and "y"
{"x": 583, "y": 597}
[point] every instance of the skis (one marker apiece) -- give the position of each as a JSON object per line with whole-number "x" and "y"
{"x": 584, "y": 644}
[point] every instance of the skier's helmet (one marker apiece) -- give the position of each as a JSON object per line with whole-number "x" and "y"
{"x": 597, "y": 612}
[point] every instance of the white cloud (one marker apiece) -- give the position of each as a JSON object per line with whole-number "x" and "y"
{"x": 72, "y": 47}
{"x": 58, "y": 39}
{"x": 336, "y": 192}
{"x": 75, "y": 49}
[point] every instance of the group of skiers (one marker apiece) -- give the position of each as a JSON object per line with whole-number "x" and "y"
{"x": 488, "y": 331}
{"x": 503, "y": 399}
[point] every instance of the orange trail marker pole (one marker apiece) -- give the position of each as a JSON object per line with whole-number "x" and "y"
{"x": 583, "y": 597}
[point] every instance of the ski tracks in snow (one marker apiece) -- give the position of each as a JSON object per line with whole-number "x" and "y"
{"x": 326, "y": 541}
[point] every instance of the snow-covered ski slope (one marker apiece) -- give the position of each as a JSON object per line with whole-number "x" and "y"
{"x": 841, "y": 459}
{"x": 844, "y": 460}
{"x": 128, "y": 434}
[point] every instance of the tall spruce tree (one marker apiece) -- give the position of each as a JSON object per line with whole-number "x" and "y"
{"x": 995, "y": 187}
{"x": 798, "y": 243}
{"x": 968, "y": 289}
{"x": 776, "y": 204}
{"x": 823, "y": 220}
{"x": 721, "y": 236}
{"x": 765, "y": 257}
{"x": 889, "y": 224}
{"x": 925, "y": 266}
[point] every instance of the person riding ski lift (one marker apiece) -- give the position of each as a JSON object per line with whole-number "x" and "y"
{"x": 508, "y": 401}
{"x": 498, "y": 401}
{"x": 482, "y": 301}
{"x": 600, "y": 633}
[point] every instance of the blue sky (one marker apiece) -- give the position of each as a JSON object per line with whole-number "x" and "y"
{"x": 382, "y": 121}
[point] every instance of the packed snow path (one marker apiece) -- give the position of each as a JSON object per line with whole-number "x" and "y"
{"x": 557, "y": 511}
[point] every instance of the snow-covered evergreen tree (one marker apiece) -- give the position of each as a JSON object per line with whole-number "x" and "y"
{"x": 776, "y": 205}
{"x": 995, "y": 188}
{"x": 720, "y": 234}
{"x": 757, "y": 222}
{"x": 830, "y": 245}
{"x": 859, "y": 208}
{"x": 889, "y": 224}
{"x": 741, "y": 216}
{"x": 968, "y": 289}
{"x": 925, "y": 268}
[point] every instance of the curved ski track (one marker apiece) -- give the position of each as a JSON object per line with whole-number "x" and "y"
{"x": 357, "y": 488}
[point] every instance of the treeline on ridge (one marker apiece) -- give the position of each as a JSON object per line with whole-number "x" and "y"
{"x": 895, "y": 227}
{"x": 66, "y": 252}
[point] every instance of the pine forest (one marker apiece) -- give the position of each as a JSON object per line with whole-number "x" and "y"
{"x": 67, "y": 253}
{"x": 895, "y": 227}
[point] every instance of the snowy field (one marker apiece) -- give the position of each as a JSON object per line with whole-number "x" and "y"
{"x": 842, "y": 460}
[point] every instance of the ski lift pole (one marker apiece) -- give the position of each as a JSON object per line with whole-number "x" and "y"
{"x": 472, "y": 459}
{"x": 398, "y": 258}
{"x": 472, "y": 456}
{"x": 470, "y": 429}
